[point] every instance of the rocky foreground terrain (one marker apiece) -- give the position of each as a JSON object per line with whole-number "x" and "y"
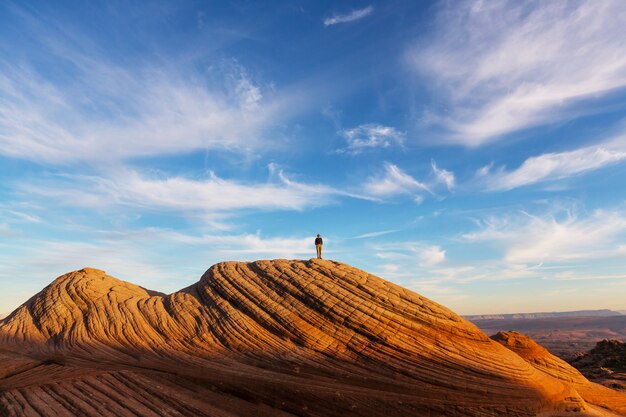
{"x": 605, "y": 363}
{"x": 273, "y": 338}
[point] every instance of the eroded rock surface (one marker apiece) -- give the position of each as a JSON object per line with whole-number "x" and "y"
{"x": 544, "y": 361}
{"x": 268, "y": 338}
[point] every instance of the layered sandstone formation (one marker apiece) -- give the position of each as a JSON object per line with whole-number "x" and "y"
{"x": 268, "y": 338}
{"x": 544, "y": 361}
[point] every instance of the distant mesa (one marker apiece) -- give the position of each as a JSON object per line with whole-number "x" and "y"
{"x": 273, "y": 338}
{"x": 520, "y": 316}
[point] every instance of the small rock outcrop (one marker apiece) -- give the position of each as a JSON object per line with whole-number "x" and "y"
{"x": 609, "y": 355}
{"x": 605, "y": 363}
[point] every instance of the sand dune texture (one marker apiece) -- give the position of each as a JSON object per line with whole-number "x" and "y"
{"x": 270, "y": 338}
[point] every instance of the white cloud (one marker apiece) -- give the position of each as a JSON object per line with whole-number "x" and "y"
{"x": 179, "y": 194}
{"x": 432, "y": 255}
{"x": 371, "y": 136}
{"x": 160, "y": 115}
{"x": 103, "y": 110}
{"x": 350, "y": 17}
{"x": 247, "y": 92}
{"x": 521, "y": 251}
{"x": 413, "y": 264}
{"x": 529, "y": 239}
{"x": 577, "y": 276}
{"x": 426, "y": 266}
{"x": 506, "y": 66}
{"x": 374, "y": 234}
{"x": 393, "y": 182}
{"x": 409, "y": 256}
{"x": 247, "y": 246}
{"x": 553, "y": 166}
{"x": 444, "y": 176}
{"x": 24, "y": 217}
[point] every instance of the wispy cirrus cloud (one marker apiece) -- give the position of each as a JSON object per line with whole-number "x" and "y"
{"x": 443, "y": 176}
{"x": 72, "y": 98}
{"x": 553, "y": 237}
{"x": 374, "y": 234}
{"x": 507, "y": 66}
{"x": 555, "y": 245}
{"x": 130, "y": 188}
{"x": 393, "y": 182}
{"x": 554, "y": 166}
{"x": 159, "y": 113}
{"x": 410, "y": 254}
{"x": 348, "y": 17}
{"x": 412, "y": 263}
{"x": 369, "y": 137}
{"x": 245, "y": 246}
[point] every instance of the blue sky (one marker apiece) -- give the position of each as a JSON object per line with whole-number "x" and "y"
{"x": 472, "y": 151}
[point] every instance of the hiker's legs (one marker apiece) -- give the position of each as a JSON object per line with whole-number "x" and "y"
{"x": 319, "y": 251}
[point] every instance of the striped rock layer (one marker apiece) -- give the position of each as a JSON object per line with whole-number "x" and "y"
{"x": 269, "y": 338}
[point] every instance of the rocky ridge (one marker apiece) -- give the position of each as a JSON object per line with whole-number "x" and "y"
{"x": 605, "y": 363}
{"x": 269, "y": 338}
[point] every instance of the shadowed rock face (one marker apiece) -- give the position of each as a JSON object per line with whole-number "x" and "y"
{"x": 605, "y": 363}
{"x": 607, "y": 355}
{"x": 269, "y": 338}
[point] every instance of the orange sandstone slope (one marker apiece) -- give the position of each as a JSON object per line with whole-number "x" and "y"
{"x": 544, "y": 361}
{"x": 268, "y": 338}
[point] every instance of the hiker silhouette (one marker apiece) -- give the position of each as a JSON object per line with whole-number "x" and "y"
{"x": 318, "y": 246}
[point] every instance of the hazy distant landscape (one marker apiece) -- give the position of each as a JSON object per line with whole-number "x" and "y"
{"x": 565, "y": 335}
{"x": 553, "y": 314}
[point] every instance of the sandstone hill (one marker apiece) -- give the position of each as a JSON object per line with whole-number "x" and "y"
{"x": 270, "y": 338}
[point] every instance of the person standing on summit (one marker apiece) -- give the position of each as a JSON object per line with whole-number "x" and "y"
{"x": 318, "y": 246}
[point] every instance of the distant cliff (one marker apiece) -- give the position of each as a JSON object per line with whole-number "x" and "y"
{"x": 579, "y": 313}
